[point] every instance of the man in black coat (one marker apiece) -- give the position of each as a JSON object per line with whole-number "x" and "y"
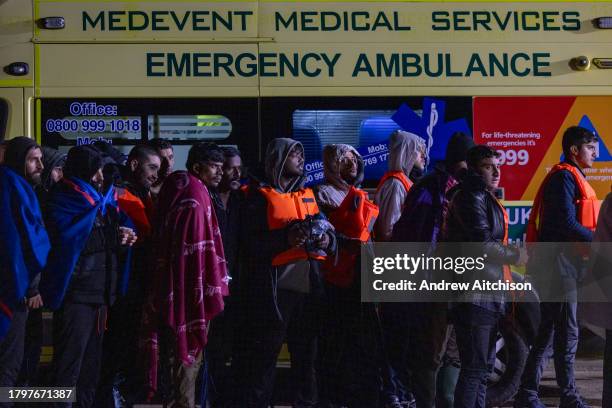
{"x": 475, "y": 215}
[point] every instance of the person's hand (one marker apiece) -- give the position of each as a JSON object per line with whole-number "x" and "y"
{"x": 127, "y": 235}
{"x": 34, "y": 302}
{"x": 322, "y": 241}
{"x": 523, "y": 257}
{"x": 296, "y": 237}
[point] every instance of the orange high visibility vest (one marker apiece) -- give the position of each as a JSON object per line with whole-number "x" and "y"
{"x": 587, "y": 204}
{"x": 138, "y": 212}
{"x": 283, "y": 208}
{"x": 355, "y": 216}
{"x": 355, "y": 219}
{"x": 398, "y": 175}
{"x": 506, "y": 268}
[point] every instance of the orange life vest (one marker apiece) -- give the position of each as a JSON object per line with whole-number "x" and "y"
{"x": 139, "y": 212}
{"x": 398, "y": 175}
{"x": 284, "y": 208}
{"x": 506, "y": 268}
{"x": 355, "y": 219}
{"x": 587, "y": 205}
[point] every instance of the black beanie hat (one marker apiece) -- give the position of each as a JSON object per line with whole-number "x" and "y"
{"x": 458, "y": 145}
{"x": 52, "y": 158}
{"x": 83, "y": 162}
{"x": 16, "y": 151}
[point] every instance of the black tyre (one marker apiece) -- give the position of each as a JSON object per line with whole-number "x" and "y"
{"x": 517, "y": 332}
{"x": 510, "y": 360}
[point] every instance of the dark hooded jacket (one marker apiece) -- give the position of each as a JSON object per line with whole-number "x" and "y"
{"x": 52, "y": 158}
{"x": 16, "y": 151}
{"x": 94, "y": 277}
{"x": 260, "y": 280}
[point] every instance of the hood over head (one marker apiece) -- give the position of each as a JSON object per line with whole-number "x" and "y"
{"x": 16, "y": 151}
{"x": 457, "y": 148}
{"x": 83, "y": 162}
{"x": 276, "y": 155}
{"x": 403, "y": 151}
{"x": 52, "y": 158}
{"x": 331, "y": 165}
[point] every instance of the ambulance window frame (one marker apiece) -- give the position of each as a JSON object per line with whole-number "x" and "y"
{"x": 242, "y": 112}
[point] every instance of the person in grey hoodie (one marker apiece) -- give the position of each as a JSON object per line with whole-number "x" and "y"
{"x": 286, "y": 237}
{"x": 406, "y": 150}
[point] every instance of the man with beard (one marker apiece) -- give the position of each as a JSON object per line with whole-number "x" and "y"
{"x": 350, "y": 345}
{"x": 122, "y": 368}
{"x": 286, "y": 238}
{"x": 166, "y": 152}
{"x": 190, "y": 276}
{"x": 24, "y": 246}
{"x": 227, "y": 199}
{"x": 80, "y": 281}
{"x": 53, "y": 161}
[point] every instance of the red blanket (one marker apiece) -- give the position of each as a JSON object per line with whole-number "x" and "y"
{"x": 190, "y": 277}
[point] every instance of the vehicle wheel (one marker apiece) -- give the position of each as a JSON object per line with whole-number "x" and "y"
{"x": 510, "y": 359}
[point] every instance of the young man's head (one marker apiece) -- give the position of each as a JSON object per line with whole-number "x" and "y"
{"x": 24, "y": 156}
{"x": 232, "y": 169}
{"x": 348, "y": 166}
{"x": 54, "y": 162}
{"x": 456, "y": 153}
{"x": 580, "y": 146}
{"x": 485, "y": 161}
{"x": 85, "y": 163}
{"x": 294, "y": 165}
{"x": 166, "y": 152}
{"x": 205, "y": 161}
{"x": 421, "y": 158}
{"x": 144, "y": 163}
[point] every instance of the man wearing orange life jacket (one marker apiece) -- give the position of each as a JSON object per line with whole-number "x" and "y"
{"x": 120, "y": 370}
{"x": 565, "y": 210}
{"x": 286, "y": 237}
{"x": 406, "y": 150}
{"x": 349, "y": 343}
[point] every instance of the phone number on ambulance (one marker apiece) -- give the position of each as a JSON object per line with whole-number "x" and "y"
{"x": 92, "y": 125}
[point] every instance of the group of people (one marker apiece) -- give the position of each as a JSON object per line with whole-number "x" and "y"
{"x": 158, "y": 278}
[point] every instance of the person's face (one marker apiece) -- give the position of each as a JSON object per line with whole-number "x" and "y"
{"x": 210, "y": 173}
{"x": 167, "y": 163}
{"x": 489, "y": 170}
{"x": 57, "y": 174}
{"x": 348, "y": 167}
{"x": 232, "y": 171}
{"x": 421, "y": 159}
{"x": 34, "y": 165}
{"x": 585, "y": 155}
{"x": 98, "y": 179}
{"x": 145, "y": 171}
{"x": 294, "y": 166}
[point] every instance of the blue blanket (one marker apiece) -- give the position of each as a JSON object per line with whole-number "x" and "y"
{"x": 21, "y": 226}
{"x": 72, "y": 211}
